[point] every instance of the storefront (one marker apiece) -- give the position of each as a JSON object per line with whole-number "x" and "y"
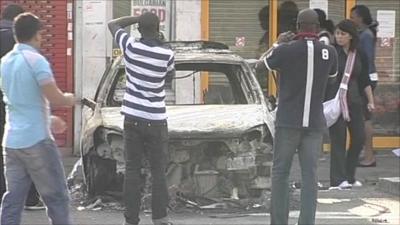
{"x": 387, "y": 95}
{"x": 239, "y": 25}
{"x": 249, "y": 27}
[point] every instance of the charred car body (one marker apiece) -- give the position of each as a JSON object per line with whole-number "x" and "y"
{"x": 220, "y": 138}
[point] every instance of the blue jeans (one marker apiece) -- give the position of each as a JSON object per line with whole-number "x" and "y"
{"x": 151, "y": 139}
{"x": 42, "y": 165}
{"x": 308, "y": 144}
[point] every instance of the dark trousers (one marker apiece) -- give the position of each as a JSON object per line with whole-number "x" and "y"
{"x": 344, "y": 164}
{"x": 150, "y": 139}
{"x": 308, "y": 145}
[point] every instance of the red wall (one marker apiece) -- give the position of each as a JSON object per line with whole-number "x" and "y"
{"x": 57, "y": 16}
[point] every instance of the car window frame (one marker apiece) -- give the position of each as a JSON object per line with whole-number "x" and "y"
{"x": 251, "y": 95}
{"x": 103, "y": 88}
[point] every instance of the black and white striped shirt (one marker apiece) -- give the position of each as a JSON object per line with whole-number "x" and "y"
{"x": 147, "y": 63}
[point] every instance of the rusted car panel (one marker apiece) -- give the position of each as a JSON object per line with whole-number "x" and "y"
{"x": 219, "y": 140}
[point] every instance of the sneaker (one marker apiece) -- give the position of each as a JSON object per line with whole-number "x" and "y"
{"x": 126, "y": 223}
{"x": 345, "y": 185}
{"x": 162, "y": 221}
{"x": 334, "y": 188}
{"x": 357, "y": 184}
{"x": 38, "y": 206}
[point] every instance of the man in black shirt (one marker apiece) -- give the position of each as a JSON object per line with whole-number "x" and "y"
{"x": 305, "y": 66}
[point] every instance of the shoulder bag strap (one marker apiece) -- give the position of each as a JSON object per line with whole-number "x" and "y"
{"x": 344, "y": 84}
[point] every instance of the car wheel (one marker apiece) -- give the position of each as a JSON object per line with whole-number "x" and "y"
{"x": 99, "y": 174}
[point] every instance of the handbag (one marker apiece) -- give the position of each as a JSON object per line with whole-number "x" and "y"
{"x": 337, "y": 106}
{"x": 332, "y": 110}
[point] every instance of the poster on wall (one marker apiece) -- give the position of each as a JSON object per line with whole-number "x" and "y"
{"x": 386, "y": 20}
{"x": 387, "y": 28}
{"x": 159, "y": 7}
{"x": 93, "y": 27}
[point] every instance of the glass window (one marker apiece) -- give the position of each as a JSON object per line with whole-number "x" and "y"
{"x": 287, "y": 12}
{"x": 121, "y": 8}
{"x": 226, "y": 85}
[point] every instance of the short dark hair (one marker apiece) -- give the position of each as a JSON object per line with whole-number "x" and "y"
{"x": 365, "y": 14}
{"x": 26, "y": 26}
{"x": 149, "y": 23}
{"x": 287, "y": 15}
{"x": 324, "y": 22}
{"x": 263, "y": 17}
{"x": 350, "y": 27}
{"x": 12, "y": 11}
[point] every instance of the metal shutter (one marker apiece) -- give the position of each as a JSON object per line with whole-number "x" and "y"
{"x": 57, "y": 47}
{"x": 234, "y": 18}
{"x": 337, "y": 10}
{"x": 231, "y": 19}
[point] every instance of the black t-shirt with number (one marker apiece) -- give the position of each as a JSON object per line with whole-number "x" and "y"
{"x": 304, "y": 66}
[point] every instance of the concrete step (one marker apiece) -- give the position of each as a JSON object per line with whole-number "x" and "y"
{"x": 390, "y": 185}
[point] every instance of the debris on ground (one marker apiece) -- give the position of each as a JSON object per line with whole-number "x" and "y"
{"x": 100, "y": 203}
{"x": 76, "y": 174}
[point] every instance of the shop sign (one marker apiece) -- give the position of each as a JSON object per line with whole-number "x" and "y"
{"x": 159, "y": 7}
{"x": 240, "y": 42}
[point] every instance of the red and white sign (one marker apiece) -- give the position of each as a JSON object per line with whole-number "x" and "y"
{"x": 240, "y": 42}
{"x": 158, "y": 10}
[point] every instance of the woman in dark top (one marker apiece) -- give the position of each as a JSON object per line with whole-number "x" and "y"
{"x": 343, "y": 165}
{"x": 367, "y": 27}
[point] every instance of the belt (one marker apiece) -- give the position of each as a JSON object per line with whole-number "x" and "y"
{"x": 148, "y": 123}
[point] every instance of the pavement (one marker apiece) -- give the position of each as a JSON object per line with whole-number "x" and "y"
{"x": 377, "y": 202}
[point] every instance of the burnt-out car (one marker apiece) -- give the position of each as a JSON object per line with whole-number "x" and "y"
{"x": 220, "y": 136}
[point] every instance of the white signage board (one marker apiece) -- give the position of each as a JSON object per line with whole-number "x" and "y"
{"x": 387, "y": 23}
{"x": 319, "y": 4}
{"x": 94, "y": 11}
{"x": 159, "y": 7}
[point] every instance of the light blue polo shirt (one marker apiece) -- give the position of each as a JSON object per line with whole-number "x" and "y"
{"x": 22, "y": 72}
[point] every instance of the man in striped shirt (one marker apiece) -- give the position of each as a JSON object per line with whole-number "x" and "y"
{"x": 148, "y": 65}
{"x": 305, "y": 65}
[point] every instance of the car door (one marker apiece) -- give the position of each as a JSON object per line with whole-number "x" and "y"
{"x": 91, "y": 112}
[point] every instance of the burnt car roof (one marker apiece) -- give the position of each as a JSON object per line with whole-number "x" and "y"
{"x": 203, "y": 51}
{"x": 196, "y": 45}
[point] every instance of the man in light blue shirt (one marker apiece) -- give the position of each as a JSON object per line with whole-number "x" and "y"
{"x": 30, "y": 153}
{"x": 24, "y": 71}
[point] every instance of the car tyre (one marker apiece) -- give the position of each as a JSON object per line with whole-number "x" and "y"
{"x": 99, "y": 174}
